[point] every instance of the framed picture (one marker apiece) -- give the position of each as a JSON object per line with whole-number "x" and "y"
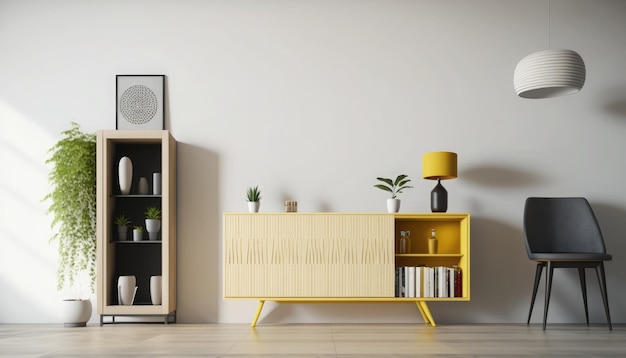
{"x": 140, "y": 101}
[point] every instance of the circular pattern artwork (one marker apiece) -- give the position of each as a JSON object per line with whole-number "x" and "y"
{"x": 138, "y": 104}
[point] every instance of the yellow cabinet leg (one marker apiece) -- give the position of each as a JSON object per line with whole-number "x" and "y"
{"x": 428, "y": 317}
{"x": 258, "y": 313}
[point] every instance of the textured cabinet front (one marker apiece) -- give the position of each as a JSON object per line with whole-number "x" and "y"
{"x": 308, "y": 255}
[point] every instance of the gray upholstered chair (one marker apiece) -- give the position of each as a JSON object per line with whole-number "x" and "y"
{"x": 564, "y": 233}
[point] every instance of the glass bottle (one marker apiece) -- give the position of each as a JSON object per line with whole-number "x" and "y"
{"x": 433, "y": 243}
{"x": 405, "y": 242}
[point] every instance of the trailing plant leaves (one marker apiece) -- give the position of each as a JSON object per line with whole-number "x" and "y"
{"x": 73, "y": 204}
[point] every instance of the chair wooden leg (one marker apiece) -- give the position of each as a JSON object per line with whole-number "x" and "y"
{"x": 605, "y": 298}
{"x": 583, "y": 287}
{"x": 549, "y": 272}
{"x": 537, "y": 279}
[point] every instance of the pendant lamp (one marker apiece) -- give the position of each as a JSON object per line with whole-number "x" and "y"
{"x": 549, "y": 73}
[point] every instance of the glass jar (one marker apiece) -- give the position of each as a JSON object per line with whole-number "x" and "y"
{"x": 405, "y": 242}
{"x": 433, "y": 243}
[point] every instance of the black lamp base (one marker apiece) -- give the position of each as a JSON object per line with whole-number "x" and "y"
{"x": 439, "y": 198}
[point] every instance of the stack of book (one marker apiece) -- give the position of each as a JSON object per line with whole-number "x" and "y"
{"x": 425, "y": 281}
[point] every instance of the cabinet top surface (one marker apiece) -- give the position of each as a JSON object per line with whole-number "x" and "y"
{"x": 396, "y": 215}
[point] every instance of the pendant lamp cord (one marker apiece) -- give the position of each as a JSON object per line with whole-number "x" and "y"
{"x": 549, "y": 25}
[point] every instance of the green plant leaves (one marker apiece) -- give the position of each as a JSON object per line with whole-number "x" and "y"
{"x": 73, "y": 204}
{"x": 395, "y": 187}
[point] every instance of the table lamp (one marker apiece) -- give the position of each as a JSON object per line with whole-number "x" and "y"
{"x": 440, "y": 166}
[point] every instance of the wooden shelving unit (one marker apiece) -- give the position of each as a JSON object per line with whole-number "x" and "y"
{"x": 336, "y": 257}
{"x": 150, "y": 151}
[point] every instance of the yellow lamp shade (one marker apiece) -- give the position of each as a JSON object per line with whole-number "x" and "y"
{"x": 439, "y": 165}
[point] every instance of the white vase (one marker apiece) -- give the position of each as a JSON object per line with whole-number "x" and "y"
{"x": 393, "y": 205}
{"x": 156, "y": 183}
{"x": 125, "y": 173}
{"x": 155, "y": 289}
{"x": 75, "y": 313}
{"x": 253, "y": 206}
{"x": 153, "y": 226}
{"x": 143, "y": 186}
{"x": 122, "y": 232}
{"x": 126, "y": 289}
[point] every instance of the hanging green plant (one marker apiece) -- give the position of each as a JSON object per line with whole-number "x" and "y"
{"x": 73, "y": 205}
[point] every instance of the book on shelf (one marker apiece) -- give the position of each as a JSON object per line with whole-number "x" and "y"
{"x": 427, "y": 281}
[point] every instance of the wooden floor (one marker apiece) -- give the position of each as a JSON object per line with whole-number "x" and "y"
{"x": 312, "y": 340}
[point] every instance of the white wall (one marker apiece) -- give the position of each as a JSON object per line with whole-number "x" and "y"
{"x": 311, "y": 100}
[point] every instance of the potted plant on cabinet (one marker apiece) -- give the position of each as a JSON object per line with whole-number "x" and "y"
{"x": 73, "y": 206}
{"x": 153, "y": 222}
{"x": 122, "y": 223}
{"x": 137, "y": 233}
{"x": 253, "y": 195}
{"x": 395, "y": 187}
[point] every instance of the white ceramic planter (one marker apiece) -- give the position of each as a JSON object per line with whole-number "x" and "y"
{"x": 153, "y": 226}
{"x": 137, "y": 235}
{"x": 75, "y": 313}
{"x": 393, "y": 205}
{"x": 156, "y": 289}
{"x": 125, "y": 172}
{"x": 253, "y": 206}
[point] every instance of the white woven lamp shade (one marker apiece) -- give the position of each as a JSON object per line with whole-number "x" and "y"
{"x": 549, "y": 73}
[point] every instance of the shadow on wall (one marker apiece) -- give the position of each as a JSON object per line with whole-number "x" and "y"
{"x": 616, "y": 103}
{"x": 612, "y": 222}
{"x": 498, "y": 177}
{"x": 198, "y": 235}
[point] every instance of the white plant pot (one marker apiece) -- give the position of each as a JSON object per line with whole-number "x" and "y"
{"x": 253, "y": 206}
{"x": 125, "y": 173}
{"x": 122, "y": 232}
{"x": 137, "y": 235}
{"x": 153, "y": 226}
{"x": 156, "y": 285}
{"x": 393, "y": 205}
{"x": 126, "y": 289}
{"x": 75, "y": 313}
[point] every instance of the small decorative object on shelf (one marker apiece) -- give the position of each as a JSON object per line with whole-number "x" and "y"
{"x": 291, "y": 206}
{"x": 126, "y": 289}
{"x": 253, "y": 195}
{"x": 143, "y": 186}
{"x": 433, "y": 243}
{"x": 122, "y": 223}
{"x": 137, "y": 233}
{"x": 155, "y": 289}
{"x": 156, "y": 183}
{"x": 395, "y": 187}
{"x": 153, "y": 222}
{"x": 125, "y": 173}
{"x": 405, "y": 242}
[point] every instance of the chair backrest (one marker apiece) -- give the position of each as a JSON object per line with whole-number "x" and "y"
{"x": 553, "y": 225}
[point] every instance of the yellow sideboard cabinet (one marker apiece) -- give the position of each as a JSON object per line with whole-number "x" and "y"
{"x": 151, "y": 260}
{"x": 342, "y": 257}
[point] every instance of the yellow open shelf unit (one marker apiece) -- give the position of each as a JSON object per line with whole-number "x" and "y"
{"x": 337, "y": 257}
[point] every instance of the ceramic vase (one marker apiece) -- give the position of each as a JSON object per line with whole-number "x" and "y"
{"x": 143, "y": 186}
{"x": 126, "y": 289}
{"x": 156, "y": 183}
{"x": 393, "y": 205}
{"x": 125, "y": 173}
{"x": 155, "y": 289}
{"x": 153, "y": 226}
